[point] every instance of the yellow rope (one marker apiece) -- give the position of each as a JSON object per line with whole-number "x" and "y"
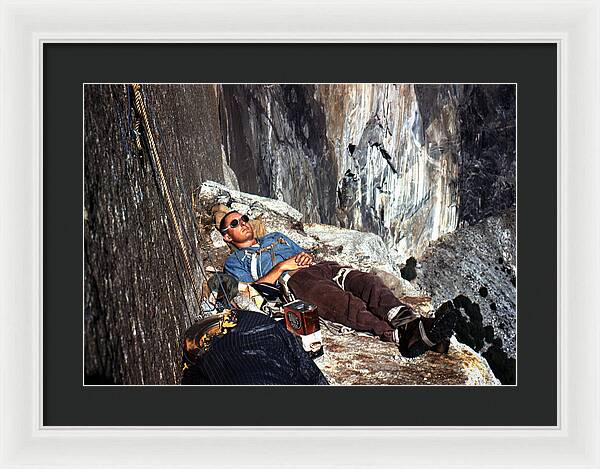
{"x": 141, "y": 109}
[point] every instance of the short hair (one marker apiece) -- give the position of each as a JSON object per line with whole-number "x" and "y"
{"x": 222, "y": 224}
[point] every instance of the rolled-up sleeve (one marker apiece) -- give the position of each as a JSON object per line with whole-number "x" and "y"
{"x": 234, "y": 267}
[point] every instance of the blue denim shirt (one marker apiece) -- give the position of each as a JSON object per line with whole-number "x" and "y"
{"x": 239, "y": 263}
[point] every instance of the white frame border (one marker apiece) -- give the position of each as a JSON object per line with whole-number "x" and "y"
{"x": 26, "y": 25}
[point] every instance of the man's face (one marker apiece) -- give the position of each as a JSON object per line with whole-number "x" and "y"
{"x": 241, "y": 233}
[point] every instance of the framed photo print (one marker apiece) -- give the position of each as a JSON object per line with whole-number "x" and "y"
{"x": 360, "y": 230}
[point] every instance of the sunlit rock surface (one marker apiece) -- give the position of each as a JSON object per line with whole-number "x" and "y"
{"x": 350, "y": 357}
{"x": 406, "y": 162}
{"x": 390, "y": 182}
{"x": 357, "y": 359}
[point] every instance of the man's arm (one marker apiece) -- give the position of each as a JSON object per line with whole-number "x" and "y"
{"x": 299, "y": 261}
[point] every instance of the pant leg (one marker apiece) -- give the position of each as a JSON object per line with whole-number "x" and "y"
{"x": 371, "y": 289}
{"x": 314, "y": 285}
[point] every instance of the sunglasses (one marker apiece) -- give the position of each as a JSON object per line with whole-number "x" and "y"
{"x": 236, "y": 222}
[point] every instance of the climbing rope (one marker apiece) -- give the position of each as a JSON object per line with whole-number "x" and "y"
{"x": 141, "y": 110}
{"x": 191, "y": 212}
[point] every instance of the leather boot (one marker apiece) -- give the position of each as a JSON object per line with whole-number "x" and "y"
{"x": 423, "y": 334}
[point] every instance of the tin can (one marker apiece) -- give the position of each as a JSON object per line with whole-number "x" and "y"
{"x": 302, "y": 320}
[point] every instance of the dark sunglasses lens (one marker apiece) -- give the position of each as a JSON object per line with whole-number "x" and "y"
{"x": 236, "y": 222}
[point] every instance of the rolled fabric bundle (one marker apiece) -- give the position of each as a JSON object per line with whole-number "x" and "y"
{"x": 258, "y": 350}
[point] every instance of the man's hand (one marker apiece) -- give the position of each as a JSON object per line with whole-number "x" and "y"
{"x": 299, "y": 261}
{"x": 304, "y": 259}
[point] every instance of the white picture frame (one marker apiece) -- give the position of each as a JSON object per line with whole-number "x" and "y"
{"x": 574, "y": 26}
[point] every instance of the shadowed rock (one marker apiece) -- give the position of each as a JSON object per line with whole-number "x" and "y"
{"x": 457, "y": 265}
{"x": 409, "y": 271}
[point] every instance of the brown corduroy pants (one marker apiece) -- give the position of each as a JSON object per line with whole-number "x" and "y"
{"x": 363, "y": 304}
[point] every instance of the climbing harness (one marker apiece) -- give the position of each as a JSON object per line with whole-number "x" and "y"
{"x": 340, "y": 277}
{"x": 255, "y": 256}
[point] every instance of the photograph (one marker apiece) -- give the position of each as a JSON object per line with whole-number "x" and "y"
{"x": 258, "y": 234}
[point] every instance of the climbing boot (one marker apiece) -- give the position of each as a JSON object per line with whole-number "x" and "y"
{"x": 424, "y": 334}
{"x": 401, "y": 315}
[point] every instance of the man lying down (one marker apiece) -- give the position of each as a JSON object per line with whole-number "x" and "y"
{"x": 342, "y": 294}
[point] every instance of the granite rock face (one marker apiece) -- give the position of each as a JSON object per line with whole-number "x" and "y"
{"x": 487, "y": 178}
{"x": 389, "y": 182}
{"x": 480, "y": 123}
{"x": 406, "y": 162}
{"x": 275, "y": 142}
{"x": 138, "y": 299}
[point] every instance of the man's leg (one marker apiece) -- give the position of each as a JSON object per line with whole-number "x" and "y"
{"x": 377, "y": 296}
{"x": 314, "y": 284}
{"x": 371, "y": 289}
{"x": 416, "y": 335}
